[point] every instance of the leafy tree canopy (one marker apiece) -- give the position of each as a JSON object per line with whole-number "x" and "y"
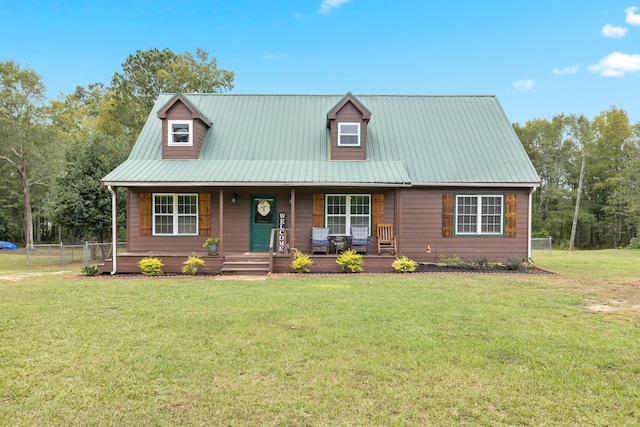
{"x": 79, "y": 202}
{"x": 147, "y": 74}
{"x": 28, "y": 141}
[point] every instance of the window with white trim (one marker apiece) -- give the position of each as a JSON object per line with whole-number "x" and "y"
{"x": 479, "y": 214}
{"x": 346, "y": 210}
{"x": 175, "y": 214}
{"x": 180, "y": 132}
{"x": 349, "y": 134}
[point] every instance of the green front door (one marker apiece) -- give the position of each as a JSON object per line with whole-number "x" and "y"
{"x": 263, "y": 220}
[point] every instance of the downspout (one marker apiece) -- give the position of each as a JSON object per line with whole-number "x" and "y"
{"x": 114, "y": 230}
{"x": 529, "y": 225}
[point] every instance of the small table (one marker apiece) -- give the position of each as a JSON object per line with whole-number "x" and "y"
{"x": 339, "y": 243}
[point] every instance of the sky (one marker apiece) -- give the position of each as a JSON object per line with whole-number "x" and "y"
{"x": 540, "y": 58}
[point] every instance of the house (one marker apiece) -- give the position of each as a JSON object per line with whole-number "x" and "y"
{"x": 259, "y": 171}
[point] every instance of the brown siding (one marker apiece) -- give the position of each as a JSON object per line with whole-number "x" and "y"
{"x": 422, "y": 223}
{"x": 420, "y": 226}
{"x": 349, "y": 113}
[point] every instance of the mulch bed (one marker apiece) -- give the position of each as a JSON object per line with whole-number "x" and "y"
{"x": 435, "y": 268}
{"x": 422, "y": 268}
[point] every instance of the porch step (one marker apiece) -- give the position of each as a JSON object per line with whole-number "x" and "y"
{"x": 250, "y": 264}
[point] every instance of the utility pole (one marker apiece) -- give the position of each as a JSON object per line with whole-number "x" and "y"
{"x": 574, "y": 226}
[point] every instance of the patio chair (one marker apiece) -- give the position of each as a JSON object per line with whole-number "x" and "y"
{"x": 386, "y": 238}
{"x": 360, "y": 239}
{"x": 319, "y": 240}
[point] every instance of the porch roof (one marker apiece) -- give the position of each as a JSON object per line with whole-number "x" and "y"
{"x": 255, "y": 172}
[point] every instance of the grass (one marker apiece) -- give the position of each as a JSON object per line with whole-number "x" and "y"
{"x": 434, "y": 349}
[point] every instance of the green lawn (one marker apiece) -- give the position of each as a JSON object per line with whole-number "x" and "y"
{"x": 438, "y": 349}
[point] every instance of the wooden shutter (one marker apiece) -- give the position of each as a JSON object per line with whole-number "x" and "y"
{"x": 318, "y": 210}
{"x": 378, "y": 210}
{"x": 510, "y": 216}
{"x": 447, "y": 215}
{"x": 205, "y": 214}
{"x": 145, "y": 214}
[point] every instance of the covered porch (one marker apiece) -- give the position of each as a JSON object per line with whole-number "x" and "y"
{"x": 243, "y": 263}
{"x": 258, "y": 230}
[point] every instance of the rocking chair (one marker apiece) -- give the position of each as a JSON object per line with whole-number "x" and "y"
{"x": 386, "y": 238}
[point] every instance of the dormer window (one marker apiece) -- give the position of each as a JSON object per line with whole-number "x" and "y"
{"x": 349, "y": 134}
{"x": 180, "y": 132}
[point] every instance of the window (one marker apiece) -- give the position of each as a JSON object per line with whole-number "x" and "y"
{"x": 346, "y": 210}
{"x": 479, "y": 214}
{"x": 180, "y": 132}
{"x": 175, "y": 215}
{"x": 349, "y": 134}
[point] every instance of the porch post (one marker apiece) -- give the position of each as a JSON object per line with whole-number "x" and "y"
{"x": 221, "y": 209}
{"x": 114, "y": 230}
{"x": 292, "y": 200}
{"x": 221, "y": 202}
{"x": 397, "y": 216}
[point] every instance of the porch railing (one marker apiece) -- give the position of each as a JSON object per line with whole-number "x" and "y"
{"x": 279, "y": 244}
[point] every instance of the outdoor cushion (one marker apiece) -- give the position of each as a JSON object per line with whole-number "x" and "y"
{"x": 319, "y": 234}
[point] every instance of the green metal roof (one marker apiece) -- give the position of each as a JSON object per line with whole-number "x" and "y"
{"x": 283, "y": 139}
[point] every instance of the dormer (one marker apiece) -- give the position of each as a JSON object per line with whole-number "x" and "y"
{"x": 347, "y": 122}
{"x": 184, "y": 128}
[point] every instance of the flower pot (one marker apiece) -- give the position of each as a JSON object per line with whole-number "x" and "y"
{"x": 213, "y": 249}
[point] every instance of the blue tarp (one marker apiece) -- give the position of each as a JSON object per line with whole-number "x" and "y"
{"x": 8, "y": 245}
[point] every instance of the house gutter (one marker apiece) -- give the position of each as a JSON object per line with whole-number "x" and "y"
{"x": 114, "y": 230}
{"x": 253, "y": 184}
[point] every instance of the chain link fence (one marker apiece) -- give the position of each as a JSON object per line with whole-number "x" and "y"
{"x": 542, "y": 245}
{"x": 61, "y": 254}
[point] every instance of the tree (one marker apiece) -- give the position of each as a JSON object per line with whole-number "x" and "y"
{"x": 552, "y": 152}
{"x": 25, "y": 135}
{"x": 608, "y": 208}
{"x": 609, "y": 151}
{"x": 146, "y": 74}
{"x": 77, "y": 115}
{"x": 626, "y": 194}
{"x": 11, "y": 225}
{"x": 78, "y": 202}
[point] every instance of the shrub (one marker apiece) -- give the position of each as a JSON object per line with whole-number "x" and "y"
{"x": 634, "y": 243}
{"x": 191, "y": 265}
{"x": 351, "y": 261}
{"x": 89, "y": 270}
{"x": 151, "y": 266}
{"x": 514, "y": 262}
{"x": 480, "y": 263}
{"x": 404, "y": 265}
{"x": 455, "y": 260}
{"x": 301, "y": 262}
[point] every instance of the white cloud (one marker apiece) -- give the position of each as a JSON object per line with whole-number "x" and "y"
{"x": 633, "y": 18}
{"x": 327, "y": 5}
{"x": 524, "y": 85}
{"x": 617, "y": 65}
{"x": 271, "y": 56}
{"x": 611, "y": 31}
{"x": 566, "y": 70}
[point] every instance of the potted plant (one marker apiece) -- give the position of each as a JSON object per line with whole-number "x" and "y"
{"x": 212, "y": 245}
